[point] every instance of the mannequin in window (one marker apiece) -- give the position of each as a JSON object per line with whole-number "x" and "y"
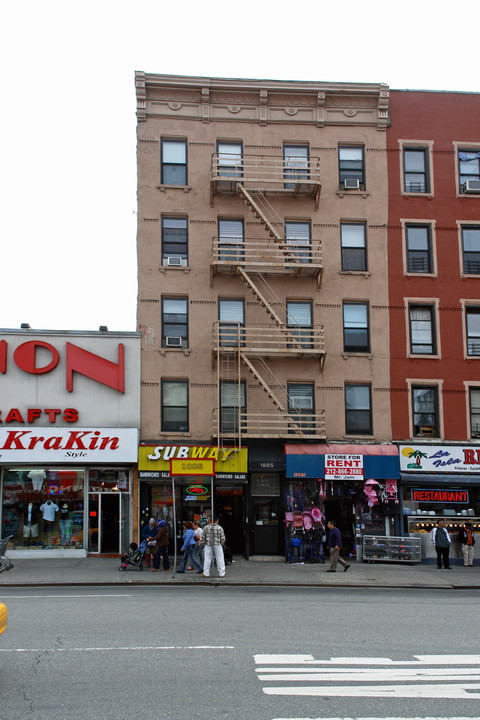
{"x": 48, "y": 510}
{"x": 65, "y": 523}
{"x": 30, "y": 522}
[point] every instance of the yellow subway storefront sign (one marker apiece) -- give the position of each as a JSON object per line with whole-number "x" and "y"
{"x": 229, "y": 463}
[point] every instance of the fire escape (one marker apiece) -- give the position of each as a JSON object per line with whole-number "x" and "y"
{"x": 255, "y": 261}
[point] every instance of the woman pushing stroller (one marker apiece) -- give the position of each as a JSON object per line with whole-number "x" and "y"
{"x": 161, "y": 539}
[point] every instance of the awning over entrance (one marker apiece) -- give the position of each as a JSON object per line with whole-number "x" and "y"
{"x": 380, "y": 462}
{"x": 434, "y": 480}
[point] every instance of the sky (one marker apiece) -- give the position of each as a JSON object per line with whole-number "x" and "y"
{"x": 68, "y": 126}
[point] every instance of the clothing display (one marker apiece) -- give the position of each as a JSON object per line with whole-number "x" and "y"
{"x": 48, "y": 509}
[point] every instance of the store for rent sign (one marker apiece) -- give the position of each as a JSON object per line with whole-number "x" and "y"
{"x": 343, "y": 467}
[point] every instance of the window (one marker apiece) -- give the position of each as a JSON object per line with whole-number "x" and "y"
{"x": 358, "y": 411}
{"x": 415, "y": 170}
{"x": 175, "y": 322}
{"x": 425, "y": 411}
{"x": 473, "y": 330}
{"x": 174, "y": 162}
{"x": 471, "y": 249}
{"x": 475, "y": 412}
{"x": 174, "y": 406}
{"x": 299, "y": 322}
{"x": 295, "y": 164}
{"x": 301, "y": 405}
{"x": 230, "y": 159}
{"x": 230, "y": 240}
{"x": 232, "y": 406}
{"x": 355, "y": 327}
{"x": 174, "y": 241}
{"x": 419, "y": 248}
{"x": 354, "y": 250}
{"x": 351, "y": 167}
{"x": 468, "y": 167}
{"x": 297, "y": 234}
{"x": 231, "y": 315}
{"x": 422, "y": 334}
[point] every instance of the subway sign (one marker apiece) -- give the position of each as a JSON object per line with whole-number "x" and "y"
{"x": 440, "y": 496}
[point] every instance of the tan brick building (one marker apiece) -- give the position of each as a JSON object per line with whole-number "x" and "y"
{"x": 263, "y": 294}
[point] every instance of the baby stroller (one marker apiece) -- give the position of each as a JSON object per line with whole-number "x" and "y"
{"x": 5, "y": 563}
{"x": 134, "y": 557}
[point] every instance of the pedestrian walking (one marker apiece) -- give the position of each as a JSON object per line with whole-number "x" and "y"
{"x": 442, "y": 541}
{"x": 214, "y": 540}
{"x": 188, "y": 548}
{"x": 161, "y": 540}
{"x": 467, "y": 538}
{"x": 334, "y": 545}
{"x": 199, "y": 553}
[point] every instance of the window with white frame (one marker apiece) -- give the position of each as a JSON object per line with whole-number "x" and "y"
{"x": 472, "y": 317}
{"x": 415, "y": 170}
{"x": 231, "y": 316}
{"x": 230, "y": 159}
{"x": 425, "y": 411}
{"x": 298, "y": 235}
{"x": 469, "y": 169}
{"x": 175, "y": 322}
{"x": 295, "y": 164}
{"x": 174, "y": 241}
{"x": 422, "y": 329}
{"x": 301, "y": 405}
{"x": 471, "y": 249}
{"x": 299, "y": 322}
{"x": 232, "y": 405}
{"x": 419, "y": 248}
{"x": 230, "y": 240}
{"x": 474, "y": 401}
{"x": 351, "y": 166}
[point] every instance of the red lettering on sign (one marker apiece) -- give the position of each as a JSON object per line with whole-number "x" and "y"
{"x": 32, "y": 414}
{"x": 14, "y": 416}
{"x": 96, "y": 367}
{"x": 469, "y": 457}
{"x": 3, "y": 356}
{"x": 25, "y": 357}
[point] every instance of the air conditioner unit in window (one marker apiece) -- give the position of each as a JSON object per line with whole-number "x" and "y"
{"x": 171, "y": 341}
{"x": 472, "y": 186}
{"x": 351, "y": 184}
{"x": 173, "y": 260}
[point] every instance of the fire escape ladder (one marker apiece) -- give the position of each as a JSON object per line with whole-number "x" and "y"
{"x": 259, "y": 205}
{"x": 260, "y": 289}
{"x": 265, "y": 387}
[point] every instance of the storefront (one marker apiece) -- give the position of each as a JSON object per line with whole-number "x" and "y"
{"x": 266, "y": 463}
{"x": 354, "y": 485}
{"x": 69, "y": 426}
{"x": 199, "y": 495}
{"x": 439, "y": 482}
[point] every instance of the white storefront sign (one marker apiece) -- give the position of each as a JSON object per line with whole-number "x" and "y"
{"x": 440, "y": 458}
{"x": 68, "y": 445}
{"x": 343, "y": 467}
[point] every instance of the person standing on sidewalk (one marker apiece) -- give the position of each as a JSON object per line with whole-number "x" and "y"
{"x": 214, "y": 540}
{"x": 161, "y": 539}
{"x": 467, "y": 538}
{"x": 188, "y": 548}
{"x": 442, "y": 541}
{"x": 334, "y": 545}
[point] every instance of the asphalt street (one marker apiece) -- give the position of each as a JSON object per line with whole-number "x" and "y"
{"x": 219, "y": 652}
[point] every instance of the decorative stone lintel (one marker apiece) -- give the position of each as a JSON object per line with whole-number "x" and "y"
{"x": 141, "y": 93}
{"x": 205, "y": 104}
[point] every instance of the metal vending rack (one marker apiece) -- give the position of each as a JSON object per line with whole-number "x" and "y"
{"x": 377, "y": 548}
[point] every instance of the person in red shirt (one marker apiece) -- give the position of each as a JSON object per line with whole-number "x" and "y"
{"x": 467, "y": 538}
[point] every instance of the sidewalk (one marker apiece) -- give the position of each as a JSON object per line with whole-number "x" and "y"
{"x": 104, "y": 571}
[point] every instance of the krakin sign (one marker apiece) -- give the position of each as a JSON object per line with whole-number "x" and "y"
{"x": 68, "y": 445}
{"x": 440, "y": 458}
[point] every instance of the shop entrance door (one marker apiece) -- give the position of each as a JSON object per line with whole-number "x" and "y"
{"x": 266, "y": 526}
{"x": 108, "y": 516}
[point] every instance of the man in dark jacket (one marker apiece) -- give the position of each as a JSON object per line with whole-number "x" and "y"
{"x": 467, "y": 538}
{"x": 334, "y": 545}
{"x": 442, "y": 541}
{"x": 161, "y": 538}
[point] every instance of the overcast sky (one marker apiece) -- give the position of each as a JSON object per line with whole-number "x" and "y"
{"x": 68, "y": 174}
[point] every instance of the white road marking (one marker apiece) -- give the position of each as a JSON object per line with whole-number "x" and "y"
{"x": 371, "y": 677}
{"x": 27, "y": 597}
{"x": 421, "y": 660}
{"x": 103, "y": 649}
{"x": 452, "y": 692}
{"x": 383, "y": 718}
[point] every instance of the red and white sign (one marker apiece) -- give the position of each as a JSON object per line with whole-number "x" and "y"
{"x": 343, "y": 467}
{"x": 68, "y": 445}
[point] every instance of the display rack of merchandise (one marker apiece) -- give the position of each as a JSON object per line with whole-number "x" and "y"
{"x": 377, "y": 548}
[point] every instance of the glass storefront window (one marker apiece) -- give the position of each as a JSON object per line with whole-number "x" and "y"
{"x": 43, "y": 508}
{"x": 108, "y": 480}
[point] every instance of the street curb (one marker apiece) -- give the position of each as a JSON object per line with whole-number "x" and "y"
{"x": 218, "y": 583}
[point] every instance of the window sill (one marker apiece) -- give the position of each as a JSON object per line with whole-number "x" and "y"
{"x": 185, "y": 188}
{"x": 427, "y": 195}
{"x": 180, "y": 433}
{"x": 164, "y": 351}
{"x": 361, "y": 193}
{"x": 359, "y": 436}
{"x": 185, "y": 268}
{"x": 423, "y": 356}
{"x": 420, "y": 274}
{"x": 365, "y": 273}
{"x": 367, "y": 355}
{"x": 471, "y": 196}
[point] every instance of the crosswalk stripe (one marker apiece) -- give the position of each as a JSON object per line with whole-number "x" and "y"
{"x": 421, "y": 660}
{"x": 447, "y": 691}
